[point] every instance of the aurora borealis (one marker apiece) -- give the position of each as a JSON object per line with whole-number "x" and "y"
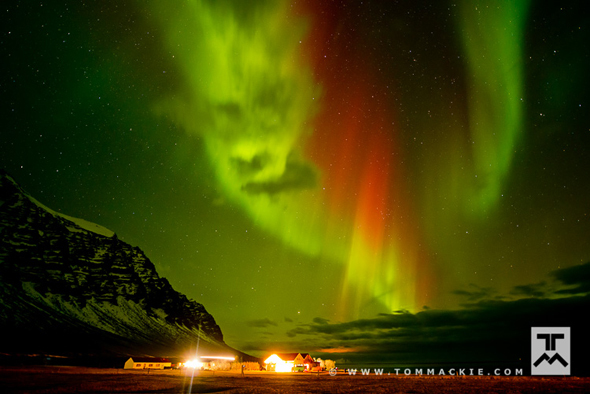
{"x": 304, "y": 167}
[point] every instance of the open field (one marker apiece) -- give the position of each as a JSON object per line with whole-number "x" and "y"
{"x": 95, "y": 380}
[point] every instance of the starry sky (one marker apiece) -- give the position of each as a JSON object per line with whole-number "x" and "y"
{"x": 320, "y": 174}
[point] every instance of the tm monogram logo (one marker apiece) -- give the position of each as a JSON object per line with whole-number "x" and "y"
{"x": 550, "y": 350}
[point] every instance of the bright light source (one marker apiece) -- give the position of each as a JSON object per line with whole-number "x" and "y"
{"x": 193, "y": 364}
{"x": 273, "y": 359}
{"x": 284, "y": 366}
{"x": 280, "y": 365}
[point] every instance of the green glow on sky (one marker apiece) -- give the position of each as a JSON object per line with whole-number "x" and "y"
{"x": 249, "y": 93}
{"x": 251, "y": 99}
{"x": 285, "y": 161}
{"x": 493, "y": 37}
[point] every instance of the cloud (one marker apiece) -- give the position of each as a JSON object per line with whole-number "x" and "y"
{"x": 252, "y": 166}
{"x": 297, "y": 175}
{"x": 261, "y": 323}
{"x": 533, "y": 290}
{"x": 577, "y": 276}
{"x": 486, "y": 330}
{"x": 476, "y": 293}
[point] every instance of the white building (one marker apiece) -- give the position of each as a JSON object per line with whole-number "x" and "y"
{"x": 147, "y": 363}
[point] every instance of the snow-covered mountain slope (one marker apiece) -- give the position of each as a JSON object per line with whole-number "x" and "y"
{"x": 71, "y": 286}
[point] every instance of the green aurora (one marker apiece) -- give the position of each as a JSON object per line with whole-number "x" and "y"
{"x": 493, "y": 38}
{"x": 286, "y": 163}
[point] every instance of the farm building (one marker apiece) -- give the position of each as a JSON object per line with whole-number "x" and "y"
{"x": 290, "y": 362}
{"x": 147, "y": 363}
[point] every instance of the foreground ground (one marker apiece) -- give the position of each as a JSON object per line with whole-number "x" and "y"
{"x": 94, "y": 380}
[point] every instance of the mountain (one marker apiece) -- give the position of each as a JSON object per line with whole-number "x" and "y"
{"x": 71, "y": 287}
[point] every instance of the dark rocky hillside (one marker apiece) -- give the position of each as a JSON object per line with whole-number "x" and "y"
{"x": 68, "y": 286}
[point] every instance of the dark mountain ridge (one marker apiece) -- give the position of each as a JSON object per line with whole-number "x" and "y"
{"x": 71, "y": 287}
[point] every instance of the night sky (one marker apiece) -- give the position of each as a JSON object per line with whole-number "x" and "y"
{"x": 319, "y": 174}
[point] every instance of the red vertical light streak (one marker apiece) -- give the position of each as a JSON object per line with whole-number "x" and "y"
{"x": 355, "y": 145}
